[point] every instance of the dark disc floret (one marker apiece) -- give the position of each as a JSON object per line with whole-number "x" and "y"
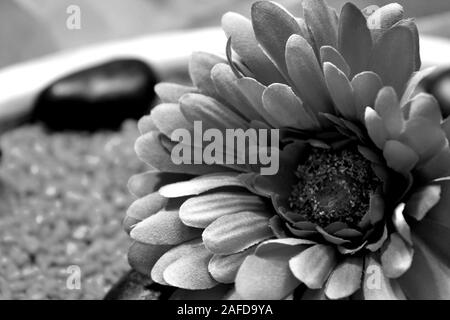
{"x": 333, "y": 186}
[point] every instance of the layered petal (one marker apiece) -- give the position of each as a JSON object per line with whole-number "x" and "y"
{"x": 427, "y": 278}
{"x": 267, "y": 277}
{"x": 345, "y": 279}
{"x": 376, "y": 286}
{"x": 165, "y": 228}
{"x": 223, "y": 268}
{"x": 306, "y": 74}
{"x": 235, "y": 232}
{"x": 393, "y": 57}
{"x": 247, "y": 47}
{"x": 266, "y": 15}
{"x": 203, "y": 210}
{"x": 287, "y": 109}
{"x": 355, "y": 40}
{"x": 313, "y": 265}
{"x": 322, "y": 21}
{"x": 191, "y": 272}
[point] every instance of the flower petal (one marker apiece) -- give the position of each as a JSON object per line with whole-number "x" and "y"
{"x": 201, "y": 211}
{"x": 385, "y": 17}
{"x": 268, "y": 247}
{"x": 413, "y": 83}
{"x": 253, "y": 91}
{"x": 314, "y": 294}
{"x": 243, "y": 41}
{"x": 150, "y": 149}
{"x": 376, "y": 286}
{"x": 224, "y": 268}
{"x": 355, "y": 40}
{"x": 225, "y": 82}
{"x": 424, "y": 137}
{"x": 387, "y": 106}
{"x": 171, "y": 92}
{"x": 165, "y": 227}
{"x": 399, "y": 156}
{"x": 268, "y": 277}
{"x": 370, "y": 155}
{"x": 375, "y": 246}
{"x": 340, "y": 90}
{"x": 412, "y": 26}
{"x": 436, "y": 236}
{"x": 286, "y": 108}
{"x": 146, "y": 206}
{"x": 345, "y": 279}
{"x": 445, "y": 125}
{"x": 148, "y": 182}
{"x": 273, "y": 26}
{"x": 331, "y": 238}
{"x": 306, "y": 75}
{"x": 401, "y": 225}
{"x": 375, "y": 127}
{"x": 376, "y": 208}
{"x": 422, "y": 201}
{"x": 393, "y": 58}
{"x": 366, "y": 86}
{"x": 146, "y": 124}
{"x": 168, "y": 117}
{"x": 433, "y": 168}
{"x": 427, "y": 278}
{"x": 142, "y": 257}
{"x": 235, "y": 232}
{"x": 397, "y": 257}
{"x": 330, "y": 54}
{"x": 313, "y": 265}
{"x": 425, "y": 106}
{"x": 200, "y": 185}
{"x": 348, "y": 233}
{"x": 191, "y": 271}
{"x": 277, "y": 226}
{"x": 213, "y": 114}
{"x": 323, "y": 22}
{"x": 200, "y": 67}
{"x": 219, "y": 292}
{"x": 335, "y": 227}
{"x": 171, "y": 256}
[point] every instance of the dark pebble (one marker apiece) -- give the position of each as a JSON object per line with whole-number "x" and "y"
{"x": 101, "y": 97}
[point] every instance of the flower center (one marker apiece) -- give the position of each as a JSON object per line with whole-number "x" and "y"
{"x": 333, "y": 186}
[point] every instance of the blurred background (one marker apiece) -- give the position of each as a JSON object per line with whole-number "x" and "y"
{"x": 63, "y": 192}
{"x": 30, "y": 28}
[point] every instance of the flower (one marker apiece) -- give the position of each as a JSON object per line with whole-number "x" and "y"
{"x": 359, "y": 207}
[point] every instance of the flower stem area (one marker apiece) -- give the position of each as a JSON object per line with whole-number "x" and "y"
{"x": 72, "y": 198}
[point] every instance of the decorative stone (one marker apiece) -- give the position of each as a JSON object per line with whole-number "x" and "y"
{"x": 101, "y": 97}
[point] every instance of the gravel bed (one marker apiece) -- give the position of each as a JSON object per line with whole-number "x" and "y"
{"x": 72, "y": 198}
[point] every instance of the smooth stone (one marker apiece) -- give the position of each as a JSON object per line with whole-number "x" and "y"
{"x": 100, "y": 97}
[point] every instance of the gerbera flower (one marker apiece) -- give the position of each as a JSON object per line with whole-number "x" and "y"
{"x": 359, "y": 207}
